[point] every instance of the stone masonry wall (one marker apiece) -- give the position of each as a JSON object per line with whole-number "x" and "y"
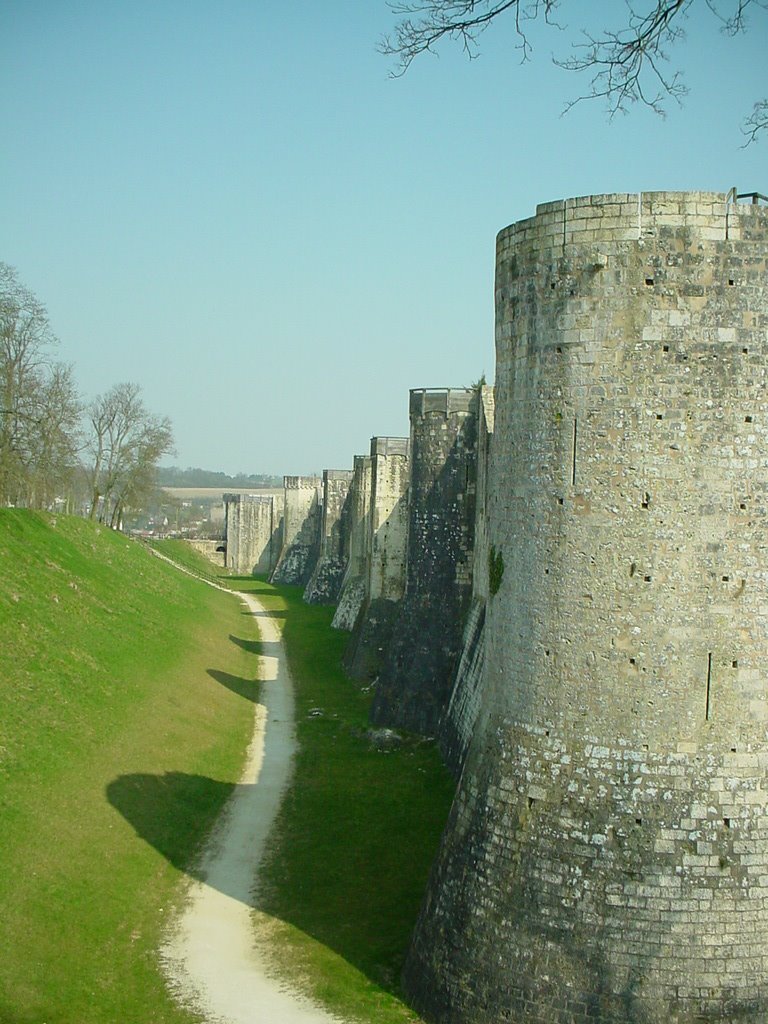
{"x": 414, "y": 684}
{"x": 384, "y": 561}
{"x": 354, "y": 585}
{"x": 252, "y": 533}
{"x": 606, "y": 859}
{"x": 458, "y": 724}
{"x": 335, "y": 525}
{"x": 301, "y": 530}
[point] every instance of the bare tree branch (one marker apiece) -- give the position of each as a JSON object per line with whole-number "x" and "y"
{"x": 424, "y": 23}
{"x": 757, "y": 122}
{"x": 629, "y": 64}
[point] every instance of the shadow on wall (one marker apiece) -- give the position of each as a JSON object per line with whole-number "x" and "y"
{"x": 419, "y": 664}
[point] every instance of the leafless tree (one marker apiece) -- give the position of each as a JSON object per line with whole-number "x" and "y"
{"x": 124, "y": 443}
{"x": 39, "y": 408}
{"x": 628, "y": 63}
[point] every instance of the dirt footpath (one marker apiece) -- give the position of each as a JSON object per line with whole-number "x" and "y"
{"x": 211, "y": 957}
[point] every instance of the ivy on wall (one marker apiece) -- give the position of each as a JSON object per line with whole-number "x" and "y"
{"x": 495, "y": 569}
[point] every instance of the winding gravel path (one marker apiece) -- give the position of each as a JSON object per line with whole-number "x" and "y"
{"x": 211, "y": 957}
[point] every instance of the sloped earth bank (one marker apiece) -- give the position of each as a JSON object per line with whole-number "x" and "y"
{"x": 212, "y": 957}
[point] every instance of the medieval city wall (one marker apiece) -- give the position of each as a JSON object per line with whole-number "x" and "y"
{"x": 325, "y": 583}
{"x": 384, "y": 556}
{"x": 252, "y": 533}
{"x": 606, "y": 859}
{"x": 301, "y": 530}
{"x": 458, "y": 723}
{"x": 353, "y": 592}
{"x": 419, "y": 663}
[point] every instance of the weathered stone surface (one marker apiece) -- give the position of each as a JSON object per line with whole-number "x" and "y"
{"x": 354, "y": 587}
{"x": 335, "y": 529}
{"x": 301, "y": 530}
{"x": 458, "y": 723}
{"x": 414, "y": 684}
{"x": 383, "y": 562}
{"x": 606, "y": 859}
{"x": 213, "y": 550}
{"x": 253, "y": 533}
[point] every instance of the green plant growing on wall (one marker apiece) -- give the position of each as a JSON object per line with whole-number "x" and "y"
{"x": 495, "y": 569}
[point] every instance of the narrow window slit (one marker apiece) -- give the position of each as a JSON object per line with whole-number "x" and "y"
{"x": 531, "y": 802}
{"x": 709, "y": 686}
{"x": 734, "y": 663}
{"x": 727, "y": 822}
{"x": 573, "y": 460}
{"x": 638, "y": 821}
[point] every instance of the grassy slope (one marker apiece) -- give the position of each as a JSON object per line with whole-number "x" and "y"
{"x": 358, "y": 831}
{"x": 118, "y": 748}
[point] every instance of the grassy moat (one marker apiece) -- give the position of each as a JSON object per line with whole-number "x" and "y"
{"x": 126, "y": 697}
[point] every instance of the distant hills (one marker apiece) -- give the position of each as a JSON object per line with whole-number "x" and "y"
{"x": 172, "y": 476}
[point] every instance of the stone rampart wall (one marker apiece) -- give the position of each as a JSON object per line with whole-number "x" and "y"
{"x": 353, "y": 592}
{"x": 606, "y": 860}
{"x": 414, "y": 684}
{"x": 301, "y": 530}
{"x": 384, "y": 556}
{"x": 325, "y": 583}
{"x": 466, "y": 691}
{"x": 252, "y": 533}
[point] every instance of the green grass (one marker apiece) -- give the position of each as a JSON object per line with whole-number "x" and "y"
{"x": 126, "y": 691}
{"x": 118, "y": 748}
{"x": 357, "y": 833}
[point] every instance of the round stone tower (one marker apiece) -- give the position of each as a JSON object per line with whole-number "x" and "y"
{"x": 606, "y": 858}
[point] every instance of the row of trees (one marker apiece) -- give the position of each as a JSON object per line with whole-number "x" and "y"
{"x": 101, "y": 455}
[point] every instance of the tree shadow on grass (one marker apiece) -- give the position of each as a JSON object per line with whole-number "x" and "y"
{"x": 176, "y": 812}
{"x": 173, "y": 812}
{"x": 248, "y": 688}
{"x": 251, "y": 646}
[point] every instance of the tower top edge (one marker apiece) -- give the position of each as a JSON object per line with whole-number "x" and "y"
{"x": 693, "y": 209}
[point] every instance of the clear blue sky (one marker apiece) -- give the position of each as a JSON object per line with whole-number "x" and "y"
{"x": 233, "y": 205}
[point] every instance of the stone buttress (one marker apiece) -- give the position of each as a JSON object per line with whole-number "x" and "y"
{"x": 335, "y": 524}
{"x": 354, "y": 584}
{"x": 458, "y": 722}
{"x": 606, "y": 858}
{"x": 301, "y": 530}
{"x": 414, "y": 684}
{"x": 252, "y": 532}
{"x": 384, "y": 556}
